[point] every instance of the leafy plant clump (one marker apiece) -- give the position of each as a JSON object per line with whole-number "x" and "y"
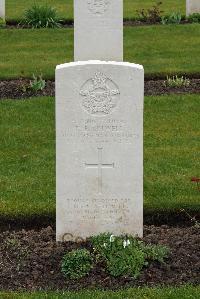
{"x": 13, "y": 245}
{"x": 76, "y": 264}
{"x": 126, "y": 256}
{"x": 174, "y": 18}
{"x": 41, "y": 16}
{"x": 152, "y": 15}
{"x": 121, "y": 256}
{"x": 194, "y": 18}
{"x": 176, "y": 81}
{"x": 2, "y": 23}
{"x": 38, "y": 83}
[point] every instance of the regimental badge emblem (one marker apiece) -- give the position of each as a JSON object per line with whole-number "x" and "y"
{"x": 98, "y": 6}
{"x": 99, "y": 95}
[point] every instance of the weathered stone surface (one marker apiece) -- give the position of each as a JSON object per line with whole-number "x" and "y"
{"x": 99, "y": 128}
{"x": 2, "y": 9}
{"x": 192, "y": 6}
{"x": 98, "y": 30}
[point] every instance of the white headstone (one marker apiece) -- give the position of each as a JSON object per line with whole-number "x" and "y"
{"x": 192, "y": 6}
{"x": 99, "y": 130}
{"x": 99, "y": 146}
{"x": 98, "y": 30}
{"x": 2, "y": 9}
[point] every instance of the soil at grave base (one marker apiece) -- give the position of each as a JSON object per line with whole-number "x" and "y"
{"x": 13, "y": 89}
{"x": 30, "y": 260}
{"x": 13, "y": 24}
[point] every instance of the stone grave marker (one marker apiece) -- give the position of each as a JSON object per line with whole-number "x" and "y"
{"x": 2, "y": 9}
{"x": 98, "y": 30}
{"x": 192, "y": 6}
{"x": 99, "y": 147}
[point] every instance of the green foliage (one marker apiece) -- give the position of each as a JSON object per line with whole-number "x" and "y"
{"x": 194, "y": 18}
{"x": 176, "y": 81}
{"x": 76, "y": 264}
{"x": 122, "y": 256}
{"x": 13, "y": 245}
{"x": 125, "y": 255}
{"x": 37, "y": 83}
{"x": 174, "y": 18}
{"x": 150, "y": 15}
{"x": 2, "y": 23}
{"x": 127, "y": 262}
{"x": 156, "y": 252}
{"x": 41, "y": 16}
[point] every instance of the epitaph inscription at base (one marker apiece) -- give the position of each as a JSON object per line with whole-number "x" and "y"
{"x": 99, "y": 149}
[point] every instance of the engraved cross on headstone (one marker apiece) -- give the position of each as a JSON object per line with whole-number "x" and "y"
{"x": 100, "y": 165}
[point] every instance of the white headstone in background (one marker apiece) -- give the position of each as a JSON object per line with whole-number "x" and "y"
{"x": 192, "y": 6}
{"x": 2, "y": 9}
{"x": 99, "y": 128}
{"x": 98, "y": 30}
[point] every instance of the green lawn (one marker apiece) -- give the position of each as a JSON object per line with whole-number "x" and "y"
{"x": 185, "y": 292}
{"x": 170, "y": 49}
{"x": 65, "y": 7}
{"x": 27, "y": 155}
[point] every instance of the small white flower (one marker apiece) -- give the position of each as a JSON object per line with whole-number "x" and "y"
{"x": 126, "y": 243}
{"x": 112, "y": 238}
{"x": 104, "y": 244}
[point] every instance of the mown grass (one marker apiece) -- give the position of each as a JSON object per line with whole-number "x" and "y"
{"x": 184, "y": 292}
{"x": 163, "y": 50}
{"x": 65, "y": 7}
{"x": 171, "y": 152}
{"x": 27, "y": 155}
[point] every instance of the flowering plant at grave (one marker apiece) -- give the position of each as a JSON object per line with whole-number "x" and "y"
{"x": 112, "y": 238}
{"x": 120, "y": 255}
{"x": 126, "y": 243}
{"x": 125, "y": 255}
{"x": 176, "y": 81}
